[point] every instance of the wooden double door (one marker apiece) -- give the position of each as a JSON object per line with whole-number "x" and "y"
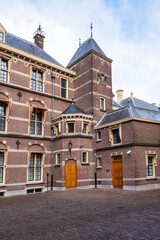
{"x": 117, "y": 172}
{"x": 71, "y": 175}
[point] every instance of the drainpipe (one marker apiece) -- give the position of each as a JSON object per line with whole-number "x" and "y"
{"x": 95, "y": 159}
{"x": 52, "y": 128}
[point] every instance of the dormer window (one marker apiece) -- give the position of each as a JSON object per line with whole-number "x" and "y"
{"x": 1, "y": 36}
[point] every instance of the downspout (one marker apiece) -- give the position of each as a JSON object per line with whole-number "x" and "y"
{"x": 52, "y": 128}
{"x": 95, "y": 159}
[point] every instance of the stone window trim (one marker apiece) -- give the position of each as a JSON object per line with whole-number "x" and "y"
{"x": 102, "y": 103}
{"x": 85, "y": 127}
{"x": 36, "y": 83}
{"x": 8, "y": 105}
{"x": 64, "y": 87}
{"x": 57, "y": 128}
{"x": 98, "y": 135}
{"x": 3, "y": 166}
{"x": 84, "y": 157}
{"x": 68, "y": 131}
{"x": 58, "y": 158}
{"x": 151, "y": 163}
{"x": 1, "y": 36}
{"x": 44, "y": 116}
{"x": 42, "y": 153}
{"x": 111, "y": 132}
{"x": 99, "y": 162}
{"x": 5, "y": 63}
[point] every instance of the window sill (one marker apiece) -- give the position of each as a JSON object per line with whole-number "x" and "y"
{"x": 102, "y": 110}
{"x": 99, "y": 140}
{"x": 151, "y": 178}
{"x": 116, "y": 144}
{"x": 99, "y": 167}
{"x": 28, "y": 183}
{"x": 57, "y": 165}
{"x": 2, "y": 185}
{"x": 82, "y": 163}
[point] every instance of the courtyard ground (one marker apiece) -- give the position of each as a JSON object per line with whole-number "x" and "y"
{"x": 93, "y": 214}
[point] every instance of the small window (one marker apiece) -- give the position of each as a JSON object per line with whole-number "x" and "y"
{"x": 115, "y": 135}
{"x": 70, "y": 127}
{"x": 4, "y": 70}
{"x": 1, "y": 36}
{"x": 102, "y": 103}
{"x": 57, "y": 129}
{"x": 2, "y": 167}
{"x": 99, "y": 162}
{"x": 1, "y": 194}
{"x": 2, "y": 117}
{"x": 84, "y": 157}
{"x": 58, "y": 158}
{"x": 37, "y": 80}
{"x": 98, "y": 135}
{"x": 150, "y": 166}
{"x": 35, "y": 167}
{"x": 85, "y": 128}
{"x": 36, "y": 122}
{"x": 30, "y": 191}
{"x": 37, "y": 190}
{"x": 63, "y": 88}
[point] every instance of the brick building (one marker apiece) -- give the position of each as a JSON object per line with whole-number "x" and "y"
{"x": 47, "y": 119}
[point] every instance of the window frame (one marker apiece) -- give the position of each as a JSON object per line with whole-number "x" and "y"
{"x": 36, "y": 122}
{"x": 103, "y": 108}
{"x": 86, "y": 162}
{"x": 98, "y": 164}
{"x": 4, "y": 166}
{"x": 98, "y": 138}
{"x": 64, "y": 88}
{"x": 7, "y": 71}
{"x": 58, "y": 163}
{"x": 57, "y": 129}
{"x": 37, "y": 70}
{"x": 2, "y": 36}
{"x": 153, "y": 164}
{"x": 87, "y": 127}
{"x": 111, "y": 137}
{"x": 8, "y": 105}
{"x": 34, "y": 166}
{"x": 67, "y": 128}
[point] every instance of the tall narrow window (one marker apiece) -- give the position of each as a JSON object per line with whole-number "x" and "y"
{"x": 116, "y": 136}
{"x": 63, "y": 88}
{"x": 4, "y": 70}
{"x": 85, "y": 127}
{"x": 70, "y": 127}
{"x": 99, "y": 162}
{"x": 36, "y": 122}
{"x": 1, "y": 167}
{"x": 37, "y": 80}
{"x": 1, "y": 36}
{"x": 84, "y": 157}
{"x": 2, "y": 116}
{"x": 35, "y": 167}
{"x": 58, "y": 159}
{"x": 102, "y": 103}
{"x": 150, "y": 166}
{"x": 98, "y": 135}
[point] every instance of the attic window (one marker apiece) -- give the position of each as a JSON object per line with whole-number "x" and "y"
{"x": 1, "y": 36}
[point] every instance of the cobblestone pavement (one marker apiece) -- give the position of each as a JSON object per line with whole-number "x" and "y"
{"x": 93, "y": 214}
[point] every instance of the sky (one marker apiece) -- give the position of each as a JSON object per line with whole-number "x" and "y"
{"x": 126, "y": 30}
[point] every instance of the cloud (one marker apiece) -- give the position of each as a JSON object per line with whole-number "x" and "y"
{"x": 126, "y": 30}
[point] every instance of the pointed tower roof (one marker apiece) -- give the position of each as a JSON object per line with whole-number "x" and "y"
{"x": 87, "y": 46}
{"x": 73, "y": 109}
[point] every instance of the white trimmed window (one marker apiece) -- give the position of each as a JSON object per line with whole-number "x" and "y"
{"x": 115, "y": 135}
{"x": 98, "y": 135}
{"x": 35, "y": 167}
{"x": 36, "y": 122}
{"x": 3, "y": 70}
{"x": 70, "y": 127}
{"x": 2, "y": 117}
{"x": 99, "y": 162}
{"x": 64, "y": 88}
{"x": 57, "y": 129}
{"x": 2, "y": 167}
{"x": 85, "y": 127}
{"x": 102, "y": 103}
{"x": 37, "y": 80}
{"x": 58, "y": 158}
{"x": 84, "y": 157}
{"x": 150, "y": 166}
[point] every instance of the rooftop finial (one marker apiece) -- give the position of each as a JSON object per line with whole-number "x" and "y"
{"x": 79, "y": 42}
{"x": 91, "y": 30}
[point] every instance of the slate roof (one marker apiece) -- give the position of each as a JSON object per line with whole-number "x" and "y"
{"x": 73, "y": 109}
{"x": 128, "y": 112}
{"x": 135, "y": 102}
{"x": 115, "y": 104}
{"x": 89, "y": 44}
{"x": 28, "y": 47}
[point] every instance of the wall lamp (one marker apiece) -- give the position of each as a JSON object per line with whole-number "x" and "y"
{"x": 70, "y": 146}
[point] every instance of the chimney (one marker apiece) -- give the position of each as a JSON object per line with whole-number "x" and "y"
{"x": 119, "y": 95}
{"x": 39, "y": 36}
{"x": 154, "y": 104}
